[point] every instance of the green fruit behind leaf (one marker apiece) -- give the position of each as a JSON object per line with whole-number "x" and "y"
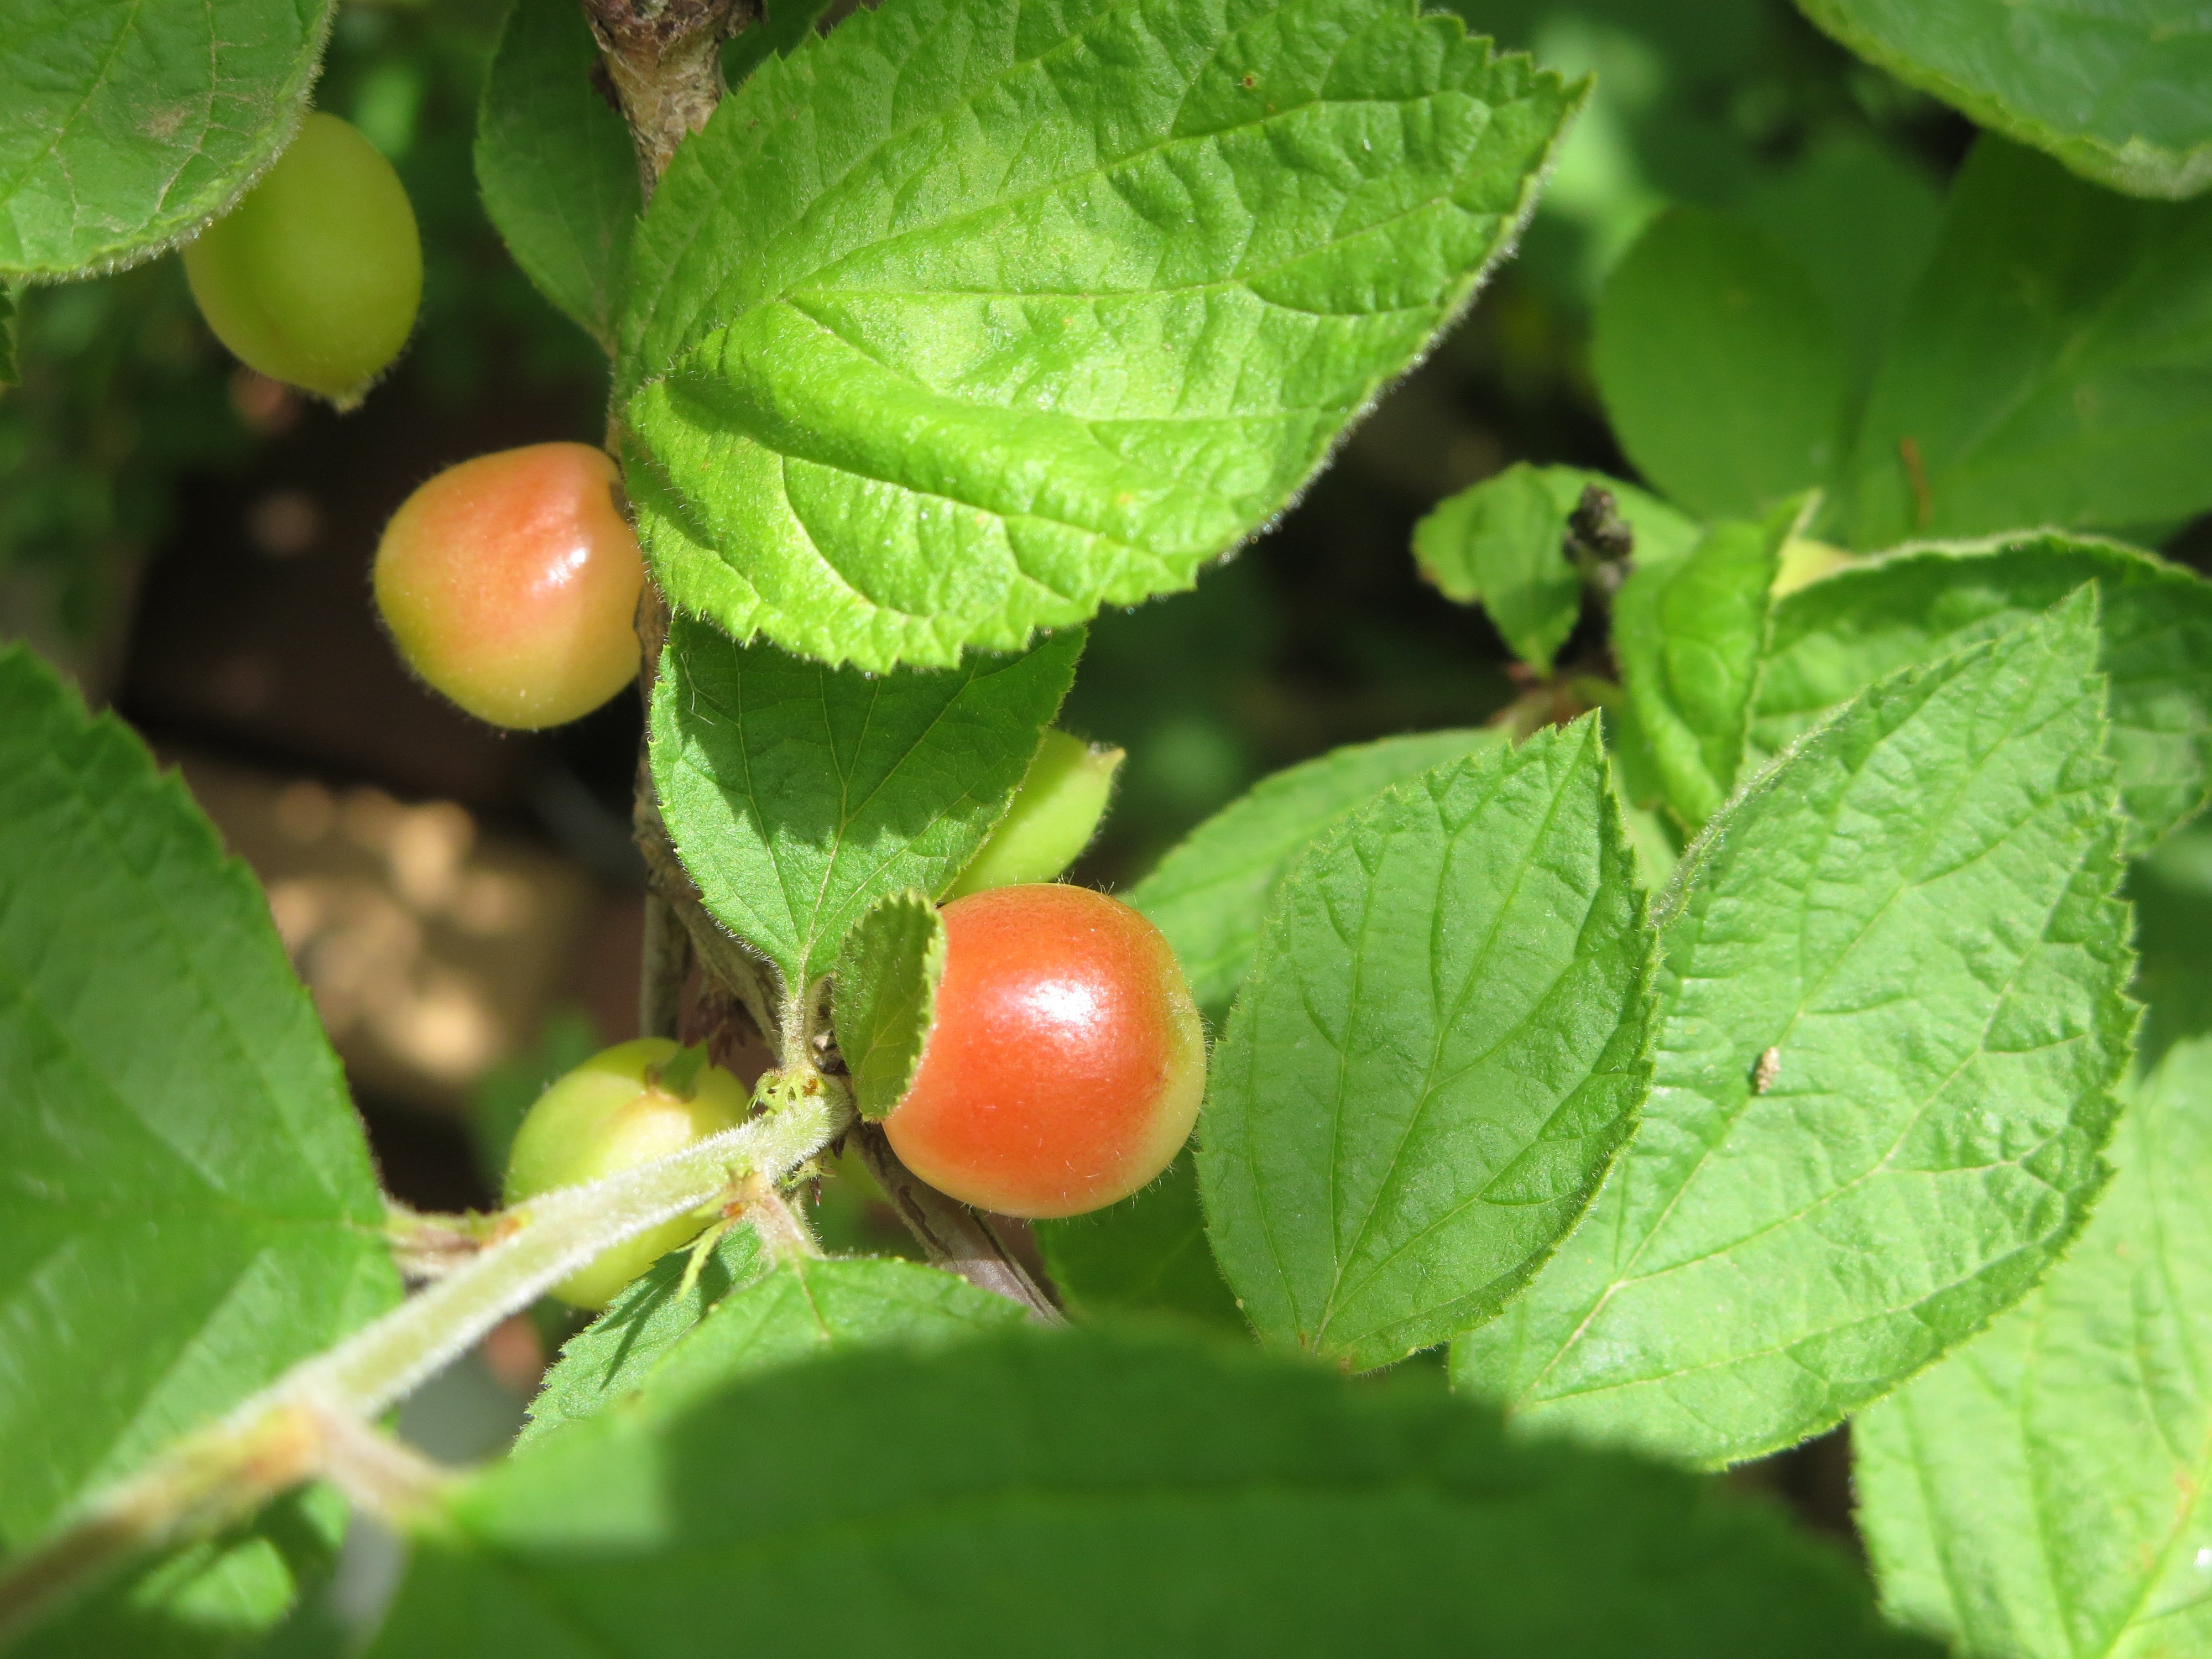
{"x": 625, "y": 1106}
{"x": 1055, "y": 813}
{"x": 315, "y": 276}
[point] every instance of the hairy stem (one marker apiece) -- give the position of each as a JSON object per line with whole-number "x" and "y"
{"x": 312, "y": 1420}
{"x": 663, "y": 59}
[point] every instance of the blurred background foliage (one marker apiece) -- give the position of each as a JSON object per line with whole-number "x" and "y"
{"x": 194, "y": 540}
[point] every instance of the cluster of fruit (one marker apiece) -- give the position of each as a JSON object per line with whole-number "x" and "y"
{"x": 1065, "y": 1065}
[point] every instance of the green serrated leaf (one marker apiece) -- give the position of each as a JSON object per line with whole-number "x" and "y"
{"x": 886, "y": 981}
{"x": 1689, "y": 634}
{"x": 1212, "y": 892}
{"x": 1890, "y": 1017}
{"x": 1441, "y": 1045}
{"x": 609, "y": 1359}
{"x": 2054, "y": 366}
{"x": 556, "y": 164}
{"x": 2043, "y": 1493}
{"x": 127, "y": 124}
{"x": 1501, "y": 543}
{"x": 190, "y": 1205}
{"x": 975, "y": 317}
{"x": 1147, "y": 1254}
{"x": 2120, "y": 92}
{"x": 788, "y": 25}
{"x": 1090, "y": 1497}
{"x": 1829, "y": 640}
{"x": 798, "y": 794}
{"x": 1723, "y": 370}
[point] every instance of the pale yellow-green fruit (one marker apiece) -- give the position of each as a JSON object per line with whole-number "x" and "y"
{"x": 314, "y": 277}
{"x": 1055, "y": 813}
{"x": 609, "y": 1114}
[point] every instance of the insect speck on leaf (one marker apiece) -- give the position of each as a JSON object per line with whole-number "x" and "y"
{"x": 1764, "y": 1074}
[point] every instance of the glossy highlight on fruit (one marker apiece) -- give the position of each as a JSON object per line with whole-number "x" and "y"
{"x": 1066, "y": 1061}
{"x": 625, "y": 1106}
{"x": 315, "y": 276}
{"x": 510, "y": 583}
{"x": 1052, "y": 817}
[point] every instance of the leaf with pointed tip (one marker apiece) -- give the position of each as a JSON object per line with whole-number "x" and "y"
{"x": 1830, "y": 640}
{"x": 1891, "y": 1016}
{"x": 1689, "y": 633}
{"x": 189, "y": 1201}
{"x": 1091, "y": 1495}
{"x": 1211, "y": 893}
{"x": 885, "y": 996}
{"x": 125, "y": 125}
{"x": 977, "y": 316}
{"x": 1502, "y": 544}
{"x": 2121, "y": 92}
{"x": 799, "y": 795}
{"x": 1441, "y": 1045}
{"x": 556, "y": 164}
{"x": 2043, "y": 1493}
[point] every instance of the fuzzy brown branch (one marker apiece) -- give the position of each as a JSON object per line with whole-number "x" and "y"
{"x": 957, "y": 1238}
{"x": 665, "y": 60}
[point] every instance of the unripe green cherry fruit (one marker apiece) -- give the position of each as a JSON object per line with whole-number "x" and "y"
{"x": 510, "y": 583}
{"x": 1065, "y": 1066}
{"x": 314, "y": 276}
{"x": 1054, "y": 815}
{"x": 626, "y": 1106}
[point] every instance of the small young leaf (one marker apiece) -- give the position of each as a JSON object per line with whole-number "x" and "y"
{"x": 127, "y": 124}
{"x": 1212, "y": 892}
{"x": 190, "y": 1205}
{"x": 556, "y": 164}
{"x": 885, "y": 996}
{"x": 2046, "y": 1491}
{"x": 1830, "y": 640}
{"x": 1723, "y": 370}
{"x": 1890, "y": 1017}
{"x": 2053, "y": 368}
{"x": 1441, "y": 1045}
{"x": 974, "y": 318}
{"x": 1689, "y": 634}
{"x": 789, "y": 25}
{"x": 1094, "y": 1496}
{"x": 2121, "y": 92}
{"x": 798, "y": 795}
{"x": 1148, "y": 1254}
{"x": 1501, "y": 543}
{"x": 609, "y": 1358}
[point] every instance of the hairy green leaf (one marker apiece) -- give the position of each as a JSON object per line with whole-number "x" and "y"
{"x": 188, "y": 1201}
{"x": 1502, "y": 542}
{"x": 556, "y": 164}
{"x": 2053, "y": 368}
{"x": 1093, "y": 1498}
{"x": 886, "y": 981}
{"x": 1148, "y": 1254}
{"x": 1689, "y": 634}
{"x": 127, "y": 124}
{"x": 799, "y": 795}
{"x": 1721, "y": 369}
{"x": 2043, "y": 1493}
{"x": 609, "y": 1359}
{"x": 1441, "y": 1045}
{"x": 1832, "y": 639}
{"x": 1211, "y": 893}
{"x": 2120, "y": 91}
{"x": 977, "y": 316}
{"x": 1890, "y": 1017}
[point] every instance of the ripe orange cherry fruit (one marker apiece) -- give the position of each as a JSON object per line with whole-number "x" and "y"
{"x": 510, "y": 583}
{"x": 1066, "y": 1064}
